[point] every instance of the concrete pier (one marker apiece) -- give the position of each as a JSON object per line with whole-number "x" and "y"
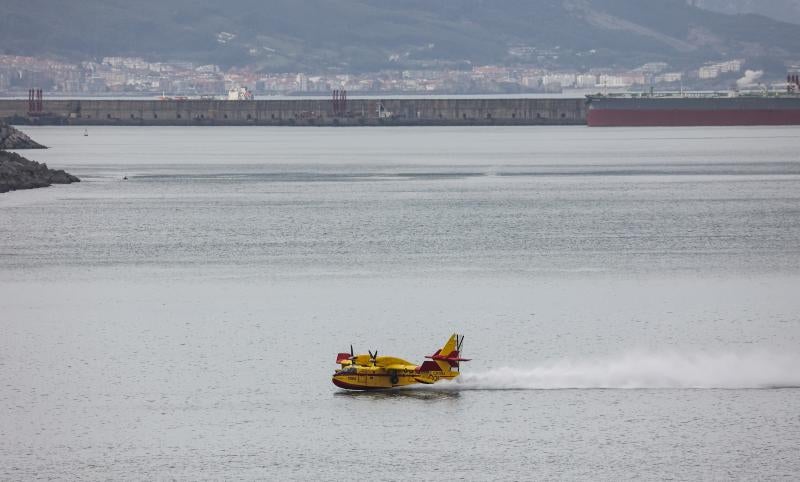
{"x": 299, "y": 112}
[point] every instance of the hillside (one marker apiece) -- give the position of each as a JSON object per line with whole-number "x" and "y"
{"x": 358, "y": 35}
{"x": 785, "y": 10}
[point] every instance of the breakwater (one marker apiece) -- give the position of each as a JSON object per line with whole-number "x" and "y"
{"x": 16, "y": 173}
{"x": 11, "y": 138}
{"x": 298, "y": 112}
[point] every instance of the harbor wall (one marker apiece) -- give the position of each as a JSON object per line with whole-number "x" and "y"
{"x": 298, "y": 112}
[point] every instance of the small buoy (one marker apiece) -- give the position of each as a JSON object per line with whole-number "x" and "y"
{"x": 124, "y": 178}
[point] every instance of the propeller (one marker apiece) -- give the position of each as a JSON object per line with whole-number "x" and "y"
{"x": 373, "y": 357}
{"x": 459, "y": 342}
{"x": 352, "y": 356}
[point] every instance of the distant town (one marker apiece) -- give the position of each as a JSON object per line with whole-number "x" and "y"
{"x": 122, "y": 76}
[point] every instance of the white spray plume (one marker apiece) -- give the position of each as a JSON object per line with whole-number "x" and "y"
{"x": 643, "y": 370}
{"x": 750, "y": 79}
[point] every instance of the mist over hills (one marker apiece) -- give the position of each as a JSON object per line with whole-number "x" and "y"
{"x": 363, "y": 35}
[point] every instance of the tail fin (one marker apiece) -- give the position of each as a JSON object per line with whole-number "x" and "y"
{"x": 447, "y": 357}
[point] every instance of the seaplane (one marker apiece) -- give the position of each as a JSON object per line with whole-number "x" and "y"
{"x": 369, "y": 371}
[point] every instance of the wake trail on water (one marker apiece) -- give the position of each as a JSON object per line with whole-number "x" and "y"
{"x": 641, "y": 370}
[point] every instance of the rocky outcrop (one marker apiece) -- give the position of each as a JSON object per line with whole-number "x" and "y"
{"x": 11, "y": 138}
{"x": 16, "y": 172}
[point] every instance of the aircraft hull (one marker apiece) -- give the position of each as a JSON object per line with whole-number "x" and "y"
{"x": 383, "y": 381}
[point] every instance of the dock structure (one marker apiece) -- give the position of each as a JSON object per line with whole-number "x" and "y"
{"x": 298, "y": 112}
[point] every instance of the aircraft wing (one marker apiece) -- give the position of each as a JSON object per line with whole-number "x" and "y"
{"x": 389, "y": 362}
{"x": 400, "y": 366}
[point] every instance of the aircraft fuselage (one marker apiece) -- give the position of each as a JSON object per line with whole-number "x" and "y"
{"x": 371, "y": 378}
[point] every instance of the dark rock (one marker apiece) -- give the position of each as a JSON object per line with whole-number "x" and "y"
{"x": 16, "y": 172}
{"x": 11, "y": 138}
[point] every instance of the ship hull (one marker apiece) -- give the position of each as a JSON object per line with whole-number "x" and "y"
{"x": 678, "y": 111}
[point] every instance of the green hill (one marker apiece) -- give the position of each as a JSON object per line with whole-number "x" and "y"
{"x": 785, "y": 10}
{"x": 357, "y": 35}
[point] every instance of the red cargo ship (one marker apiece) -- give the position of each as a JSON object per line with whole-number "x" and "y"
{"x": 696, "y": 109}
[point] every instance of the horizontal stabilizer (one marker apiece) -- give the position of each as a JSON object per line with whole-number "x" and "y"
{"x": 451, "y": 359}
{"x": 447, "y": 358}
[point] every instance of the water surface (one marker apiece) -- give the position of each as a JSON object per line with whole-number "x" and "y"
{"x": 627, "y": 295}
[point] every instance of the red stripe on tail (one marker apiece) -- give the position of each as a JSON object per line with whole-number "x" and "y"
{"x": 429, "y": 366}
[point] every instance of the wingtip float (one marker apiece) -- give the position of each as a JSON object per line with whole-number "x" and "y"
{"x": 372, "y": 372}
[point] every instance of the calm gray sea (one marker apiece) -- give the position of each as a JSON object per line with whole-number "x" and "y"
{"x": 629, "y": 297}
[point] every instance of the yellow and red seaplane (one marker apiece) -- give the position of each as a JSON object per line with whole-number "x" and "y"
{"x": 371, "y": 372}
